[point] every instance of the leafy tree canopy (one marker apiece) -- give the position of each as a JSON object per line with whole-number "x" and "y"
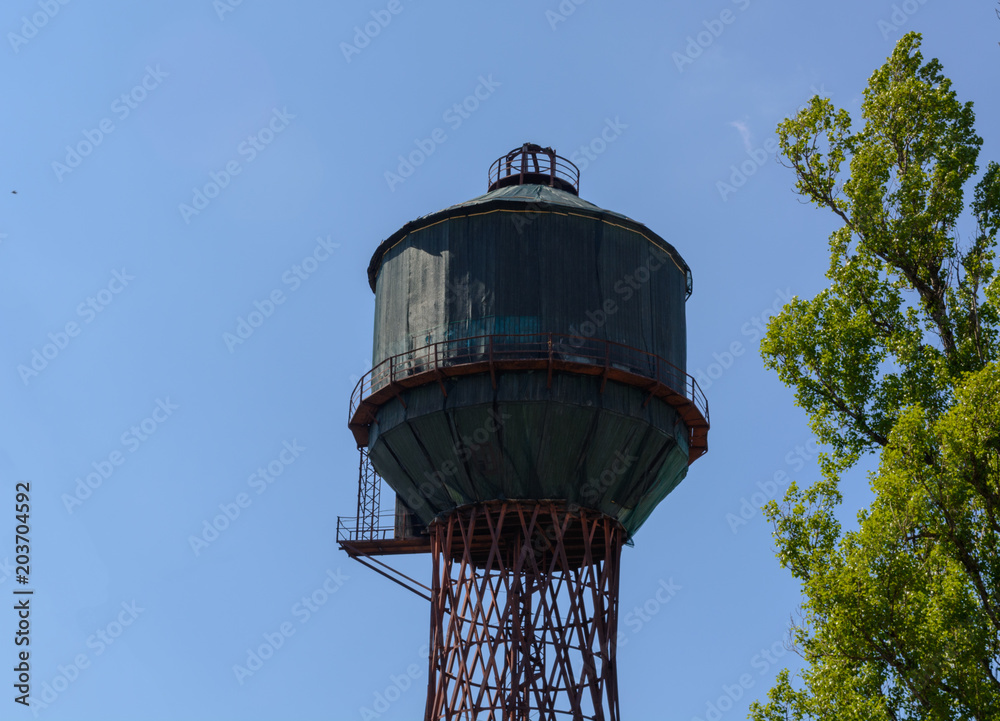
{"x": 898, "y": 356}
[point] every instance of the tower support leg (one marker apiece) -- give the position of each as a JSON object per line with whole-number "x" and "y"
{"x": 524, "y": 614}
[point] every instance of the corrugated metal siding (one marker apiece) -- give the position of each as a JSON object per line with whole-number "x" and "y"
{"x": 556, "y": 276}
{"x": 520, "y": 199}
{"x": 526, "y": 441}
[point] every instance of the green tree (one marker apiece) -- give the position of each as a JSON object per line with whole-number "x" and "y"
{"x": 897, "y": 357}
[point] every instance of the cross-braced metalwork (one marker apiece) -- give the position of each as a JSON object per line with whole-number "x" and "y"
{"x": 524, "y": 614}
{"x": 369, "y": 491}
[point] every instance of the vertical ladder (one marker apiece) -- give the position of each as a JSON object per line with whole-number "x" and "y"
{"x": 369, "y": 492}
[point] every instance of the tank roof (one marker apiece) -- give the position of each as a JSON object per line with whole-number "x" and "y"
{"x": 542, "y": 194}
{"x": 528, "y": 197}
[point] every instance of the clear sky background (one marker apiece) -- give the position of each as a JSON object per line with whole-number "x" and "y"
{"x": 153, "y": 99}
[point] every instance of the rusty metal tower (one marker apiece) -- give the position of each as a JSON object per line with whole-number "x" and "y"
{"x": 528, "y": 405}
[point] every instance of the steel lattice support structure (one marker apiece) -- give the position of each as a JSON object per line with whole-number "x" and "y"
{"x": 524, "y": 613}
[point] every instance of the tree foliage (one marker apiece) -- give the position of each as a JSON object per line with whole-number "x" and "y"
{"x": 899, "y": 357}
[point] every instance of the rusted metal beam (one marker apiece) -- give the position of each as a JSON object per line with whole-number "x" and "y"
{"x": 360, "y": 557}
{"x": 593, "y": 359}
{"x": 524, "y": 613}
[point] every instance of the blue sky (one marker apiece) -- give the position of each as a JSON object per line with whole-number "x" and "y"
{"x": 180, "y": 165}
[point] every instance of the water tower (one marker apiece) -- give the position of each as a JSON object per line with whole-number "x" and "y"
{"x": 528, "y": 405}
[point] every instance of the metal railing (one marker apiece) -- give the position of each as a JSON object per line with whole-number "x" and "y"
{"x": 380, "y": 528}
{"x": 534, "y": 161}
{"x": 551, "y": 347}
